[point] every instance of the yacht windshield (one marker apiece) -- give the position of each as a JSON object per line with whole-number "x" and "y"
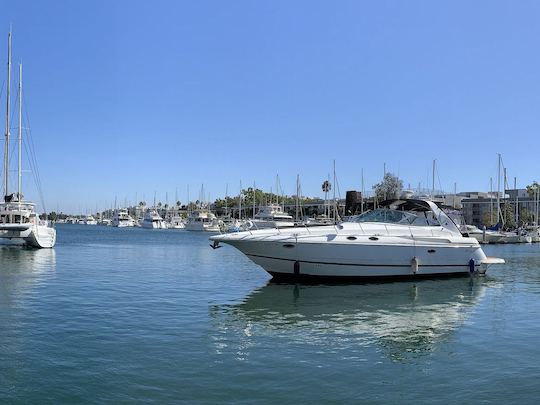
{"x": 390, "y": 216}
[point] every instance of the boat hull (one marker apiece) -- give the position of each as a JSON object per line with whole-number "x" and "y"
{"x": 37, "y": 236}
{"x": 42, "y": 237}
{"x": 153, "y": 225}
{"x": 122, "y": 224}
{"x": 352, "y": 261}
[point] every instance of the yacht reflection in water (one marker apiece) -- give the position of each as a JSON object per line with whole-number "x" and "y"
{"x": 22, "y": 268}
{"x": 401, "y": 318}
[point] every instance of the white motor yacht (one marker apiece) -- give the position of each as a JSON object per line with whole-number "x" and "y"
{"x": 89, "y": 220}
{"x": 152, "y": 220}
{"x": 271, "y": 216}
{"x": 229, "y": 224}
{"x": 405, "y": 238}
{"x": 18, "y": 219}
{"x": 202, "y": 220}
{"x": 122, "y": 219}
{"x": 177, "y": 222}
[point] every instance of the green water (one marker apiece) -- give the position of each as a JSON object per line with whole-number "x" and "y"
{"x": 132, "y": 315}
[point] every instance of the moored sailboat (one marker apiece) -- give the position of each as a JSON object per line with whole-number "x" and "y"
{"x": 18, "y": 218}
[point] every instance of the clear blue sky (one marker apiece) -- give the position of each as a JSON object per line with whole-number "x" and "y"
{"x": 130, "y": 97}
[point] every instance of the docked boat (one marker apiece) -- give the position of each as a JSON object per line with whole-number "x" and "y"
{"x": 122, "y": 219}
{"x": 319, "y": 220}
{"x": 518, "y": 236}
{"x": 202, "y": 220}
{"x": 483, "y": 235}
{"x": 229, "y": 224}
{"x": 19, "y": 221}
{"x": 177, "y": 222}
{"x": 403, "y": 239}
{"x": 534, "y": 233}
{"x": 271, "y": 216}
{"x": 105, "y": 222}
{"x": 89, "y": 220}
{"x": 152, "y": 220}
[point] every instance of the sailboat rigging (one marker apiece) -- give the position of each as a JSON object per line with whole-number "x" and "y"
{"x": 18, "y": 219}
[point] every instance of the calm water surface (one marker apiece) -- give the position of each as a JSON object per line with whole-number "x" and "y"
{"x": 125, "y": 315}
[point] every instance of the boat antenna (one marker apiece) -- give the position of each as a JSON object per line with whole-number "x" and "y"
{"x": 19, "y": 168}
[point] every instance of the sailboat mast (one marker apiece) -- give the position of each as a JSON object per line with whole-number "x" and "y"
{"x": 277, "y": 189}
{"x": 433, "y": 180}
{"x": 6, "y": 145}
{"x": 297, "y": 197}
{"x": 505, "y": 187}
{"x": 240, "y": 202}
{"x": 226, "y": 193}
{"x": 188, "y": 201}
{"x": 19, "y": 168}
{"x": 363, "y": 194}
{"x": 334, "y": 193}
{"x": 499, "y": 188}
{"x": 517, "y": 203}
{"x": 491, "y": 200}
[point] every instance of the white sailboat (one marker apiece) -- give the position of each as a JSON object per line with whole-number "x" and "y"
{"x": 18, "y": 219}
